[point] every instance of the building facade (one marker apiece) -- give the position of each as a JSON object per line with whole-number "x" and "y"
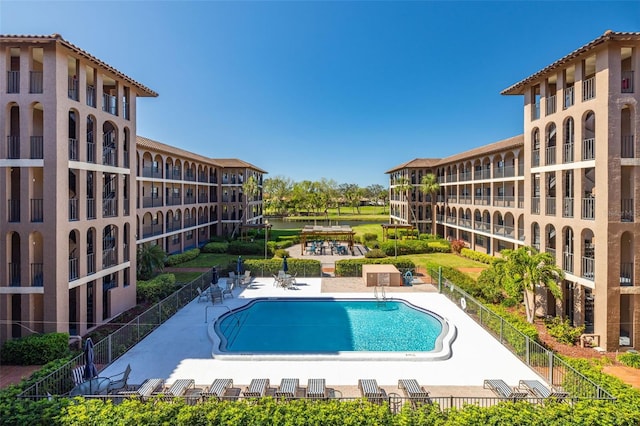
{"x": 75, "y": 183}
{"x": 579, "y": 146}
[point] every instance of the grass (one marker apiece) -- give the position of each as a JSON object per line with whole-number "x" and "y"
{"x": 186, "y": 277}
{"x": 367, "y": 213}
{"x": 448, "y": 259}
{"x": 209, "y": 260}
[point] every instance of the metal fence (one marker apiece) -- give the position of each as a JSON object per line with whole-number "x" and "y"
{"x": 546, "y": 363}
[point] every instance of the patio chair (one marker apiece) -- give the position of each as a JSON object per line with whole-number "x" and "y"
{"x": 417, "y": 394}
{"x": 246, "y": 278}
{"x": 218, "y": 388}
{"x": 216, "y": 293}
{"x": 316, "y": 388}
{"x": 77, "y": 375}
{"x": 541, "y": 391}
{"x": 119, "y": 381}
{"x": 277, "y": 281}
{"x": 228, "y": 289}
{"x": 146, "y": 389}
{"x": 500, "y": 388}
{"x": 257, "y": 388}
{"x": 288, "y": 388}
{"x": 370, "y": 390}
{"x": 202, "y": 295}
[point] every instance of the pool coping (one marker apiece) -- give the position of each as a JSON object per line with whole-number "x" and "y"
{"x": 442, "y": 351}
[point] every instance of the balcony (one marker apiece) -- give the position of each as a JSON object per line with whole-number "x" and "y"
{"x": 13, "y": 210}
{"x": 176, "y": 174}
{"x": 504, "y": 231}
{"x": 588, "y": 268}
{"x": 91, "y": 263}
{"x": 550, "y": 206}
{"x": 91, "y": 96}
{"x": 73, "y": 209}
{"x": 588, "y": 149}
{"x": 37, "y": 277}
{"x": 14, "y": 275}
{"x": 174, "y": 200}
{"x": 126, "y": 254}
{"x": 626, "y": 210}
{"x": 550, "y": 155}
{"x": 203, "y": 198}
{"x": 452, "y": 199}
{"x": 627, "y": 148}
{"x": 13, "y": 147}
{"x": 521, "y": 201}
{"x": 535, "y": 205}
{"x": 125, "y": 207}
{"x": 189, "y": 222}
{"x": 36, "y": 148}
{"x": 72, "y": 91}
{"x": 482, "y": 226}
{"x": 109, "y": 257}
{"x": 568, "y": 97}
{"x": 91, "y": 208}
{"x": 37, "y": 214}
{"x": 567, "y": 262}
{"x": 627, "y": 82}
{"x": 626, "y": 274}
{"x": 502, "y": 201}
{"x": 73, "y": 149}
{"x": 535, "y": 158}
{"x": 535, "y": 111}
{"x": 109, "y": 104}
{"x": 152, "y": 230}
{"x": 589, "y": 89}
{"x": 551, "y": 104}
{"x": 567, "y": 207}
{"x": 189, "y": 199}
{"x": 74, "y": 269}
{"x": 452, "y": 178}
{"x": 465, "y": 176}
{"x": 125, "y": 109}
{"x": 451, "y": 220}
{"x": 109, "y": 157}
{"x": 567, "y": 153}
{"x": 35, "y": 82}
{"x": 109, "y": 207}
{"x": 588, "y": 208}
{"x": 190, "y": 176}
{"x": 151, "y": 172}
{"x": 13, "y": 81}
{"x": 482, "y": 200}
{"x": 174, "y": 225}
{"x": 482, "y": 174}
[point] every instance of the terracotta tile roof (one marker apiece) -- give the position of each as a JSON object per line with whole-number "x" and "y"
{"x": 218, "y": 162}
{"x": 57, "y": 38}
{"x": 416, "y": 163}
{"x": 518, "y": 88}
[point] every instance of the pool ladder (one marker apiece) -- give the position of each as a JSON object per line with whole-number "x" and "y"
{"x": 380, "y": 294}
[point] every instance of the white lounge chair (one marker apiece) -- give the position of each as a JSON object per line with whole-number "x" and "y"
{"x": 370, "y": 390}
{"x": 288, "y": 388}
{"x": 500, "y": 388}
{"x": 316, "y": 388}
{"x": 541, "y": 391}
{"x": 257, "y": 388}
{"x": 219, "y": 388}
{"x": 417, "y": 394}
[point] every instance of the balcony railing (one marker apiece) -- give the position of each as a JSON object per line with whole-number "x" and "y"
{"x": 588, "y": 149}
{"x": 626, "y": 210}
{"x": 151, "y": 172}
{"x": 35, "y": 82}
{"x": 109, "y": 104}
{"x": 91, "y": 96}
{"x": 567, "y": 153}
{"x": 125, "y": 109}
{"x": 73, "y": 88}
{"x": 535, "y": 205}
{"x": 37, "y": 144}
{"x": 13, "y": 81}
{"x": 567, "y": 207}
{"x": 535, "y": 111}
{"x": 91, "y": 208}
{"x": 627, "y": 82}
{"x": 126, "y": 253}
{"x": 551, "y": 104}
{"x": 482, "y": 226}
{"x": 109, "y": 157}
{"x": 203, "y": 198}
{"x": 73, "y": 209}
{"x": 73, "y": 149}
{"x": 151, "y": 230}
{"x": 109, "y": 207}
{"x": 504, "y": 231}
{"x": 535, "y": 158}
{"x": 109, "y": 257}
{"x": 481, "y": 200}
{"x": 550, "y": 155}
{"x": 451, "y": 220}
{"x": 502, "y": 201}
{"x": 589, "y": 89}
{"x": 521, "y": 201}
{"x": 91, "y": 263}
{"x": 91, "y": 152}
{"x": 125, "y": 207}
{"x": 550, "y": 206}
{"x": 465, "y": 176}
{"x": 588, "y": 268}
{"x": 189, "y": 199}
{"x": 74, "y": 270}
{"x": 174, "y": 200}
{"x": 626, "y": 274}
{"x": 13, "y": 147}
{"x": 627, "y": 148}
{"x": 37, "y": 277}
{"x": 568, "y": 97}
{"x": 452, "y": 178}
{"x": 567, "y": 262}
{"x": 36, "y": 207}
{"x": 588, "y": 208}
{"x": 151, "y": 202}
{"x": 14, "y": 274}
{"x": 13, "y": 210}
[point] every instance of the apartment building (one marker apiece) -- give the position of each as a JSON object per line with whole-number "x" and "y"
{"x": 581, "y": 122}
{"x": 81, "y": 191}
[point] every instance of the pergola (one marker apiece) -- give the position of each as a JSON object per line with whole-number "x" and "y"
{"x": 339, "y": 233}
{"x": 396, "y": 226}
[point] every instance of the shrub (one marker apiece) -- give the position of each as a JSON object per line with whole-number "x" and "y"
{"x": 457, "y": 246}
{"x": 37, "y": 349}
{"x": 353, "y": 267}
{"x": 281, "y": 253}
{"x": 267, "y": 267}
{"x": 369, "y": 236}
{"x": 375, "y": 254}
{"x": 477, "y": 256}
{"x": 488, "y": 287}
{"x": 630, "y": 359}
{"x": 215, "y": 247}
{"x": 246, "y": 247}
{"x": 176, "y": 259}
{"x": 563, "y": 331}
{"x": 156, "y": 289}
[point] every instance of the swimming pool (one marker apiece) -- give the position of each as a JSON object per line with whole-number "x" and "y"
{"x": 330, "y": 327}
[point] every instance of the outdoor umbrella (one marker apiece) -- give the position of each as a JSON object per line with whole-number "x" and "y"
{"x": 90, "y": 370}
{"x": 240, "y": 266}
{"x": 285, "y": 267}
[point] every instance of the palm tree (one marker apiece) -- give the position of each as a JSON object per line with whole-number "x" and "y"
{"x": 523, "y": 270}
{"x": 429, "y": 186}
{"x": 149, "y": 258}
{"x": 403, "y": 185}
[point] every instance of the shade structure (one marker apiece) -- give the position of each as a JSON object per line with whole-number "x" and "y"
{"x": 90, "y": 370}
{"x": 285, "y": 267}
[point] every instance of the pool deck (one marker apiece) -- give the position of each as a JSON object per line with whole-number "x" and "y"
{"x": 181, "y": 348}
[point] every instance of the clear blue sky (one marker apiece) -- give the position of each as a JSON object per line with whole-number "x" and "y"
{"x": 342, "y": 90}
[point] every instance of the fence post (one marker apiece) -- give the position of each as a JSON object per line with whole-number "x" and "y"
{"x": 481, "y": 314}
{"x": 501, "y": 327}
{"x": 439, "y": 279}
{"x": 550, "y": 354}
{"x": 527, "y": 356}
{"x": 109, "y": 348}
{"x": 138, "y": 327}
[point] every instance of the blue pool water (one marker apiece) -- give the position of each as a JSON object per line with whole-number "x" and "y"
{"x": 327, "y": 326}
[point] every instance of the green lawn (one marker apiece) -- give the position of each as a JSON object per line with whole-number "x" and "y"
{"x": 186, "y": 277}
{"x": 209, "y": 260}
{"x": 448, "y": 259}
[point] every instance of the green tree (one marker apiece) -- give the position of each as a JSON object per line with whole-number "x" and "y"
{"x": 276, "y": 192}
{"x": 404, "y": 186}
{"x": 523, "y": 270}
{"x": 429, "y": 186}
{"x": 149, "y": 258}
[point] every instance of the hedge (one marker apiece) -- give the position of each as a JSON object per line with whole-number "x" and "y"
{"x": 477, "y": 256}
{"x": 177, "y": 259}
{"x": 156, "y": 289}
{"x": 353, "y": 267}
{"x": 36, "y": 349}
{"x": 246, "y": 247}
{"x": 302, "y": 267}
{"x": 215, "y": 247}
{"x": 405, "y": 247}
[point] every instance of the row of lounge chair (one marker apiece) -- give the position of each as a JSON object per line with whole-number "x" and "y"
{"x": 525, "y": 389}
